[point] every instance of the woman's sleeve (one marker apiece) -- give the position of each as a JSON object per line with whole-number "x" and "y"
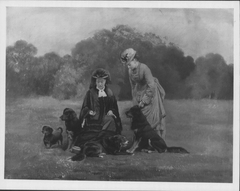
{"x": 132, "y": 83}
{"x": 115, "y": 110}
{"x": 118, "y": 120}
{"x": 85, "y": 106}
{"x": 150, "y": 90}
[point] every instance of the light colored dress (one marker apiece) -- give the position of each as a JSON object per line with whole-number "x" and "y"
{"x": 147, "y": 88}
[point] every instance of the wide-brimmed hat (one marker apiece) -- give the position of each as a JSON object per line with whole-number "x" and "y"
{"x": 127, "y": 55}
{"x": 100, "y": 73}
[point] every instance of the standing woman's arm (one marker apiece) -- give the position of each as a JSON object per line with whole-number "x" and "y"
{"x": 132, "y": 83}
{"x": 150, "y": 89}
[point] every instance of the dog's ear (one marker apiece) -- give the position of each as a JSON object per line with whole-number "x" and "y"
{"x": 65, "y": 110}
{"x": 44, "y": 128}
{"x": 70, "y": 113}
{"x": 50, "y": 130}
{"x": 73, "y": 115}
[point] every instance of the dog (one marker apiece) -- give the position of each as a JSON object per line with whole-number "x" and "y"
{"x": 145, "y": 136}
{"x": 52, "y": 137}
{"x": 89, "y": 149}
{"x": 115, "y": 144}
{"x": 101, "y": 145}
{"x": 72, "y": 125}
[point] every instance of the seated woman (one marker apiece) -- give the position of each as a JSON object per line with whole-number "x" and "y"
{"x": 99, "y": 109}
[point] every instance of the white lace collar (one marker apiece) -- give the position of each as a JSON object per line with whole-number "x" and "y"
{"x": 101, "y": 93}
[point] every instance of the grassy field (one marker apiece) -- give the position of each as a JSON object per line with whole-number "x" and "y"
{"x": 203, "y": 127}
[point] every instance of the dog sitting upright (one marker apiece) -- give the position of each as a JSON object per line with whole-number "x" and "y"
{"x": 52, "y": 137}
{"x": 72, "y": 125}
{"x": 145, "y": 136}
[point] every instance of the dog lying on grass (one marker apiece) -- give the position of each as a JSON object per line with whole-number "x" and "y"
{"x": 89, "y": 149}
{"x": 105, "y": 142}
{"x": 115, "y": 144}
{"x": 52, "y": 137}
{"x": 72, "y": 125}
{"x": 145, "y": 136}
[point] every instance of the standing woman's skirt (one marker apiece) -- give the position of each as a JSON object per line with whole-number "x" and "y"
{"x": 155, "y": 112}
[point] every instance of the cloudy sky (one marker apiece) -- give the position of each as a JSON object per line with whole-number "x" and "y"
{"x": 196, "y": 31}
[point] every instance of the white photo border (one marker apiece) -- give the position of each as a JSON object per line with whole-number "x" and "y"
{"x": 112, "y": 185}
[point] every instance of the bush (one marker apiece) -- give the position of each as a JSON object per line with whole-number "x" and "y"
{"x": 81, "y": 90}
{"x": 65, "y": 86}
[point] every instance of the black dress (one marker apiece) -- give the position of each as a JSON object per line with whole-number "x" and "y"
{"x": 100, "y": 105}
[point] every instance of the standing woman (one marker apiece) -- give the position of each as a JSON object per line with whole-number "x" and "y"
{"x": 99, "y": 109}
{"x": 146, "y": 91}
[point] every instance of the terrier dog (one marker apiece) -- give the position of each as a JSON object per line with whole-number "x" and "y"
{"x": 52, "y": 137}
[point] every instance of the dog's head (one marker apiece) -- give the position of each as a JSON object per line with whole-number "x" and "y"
{"x": 46, "y": 130}
{"x": 118, "y": 141}
{"x": 133, "y": 112}
{"x": 68, "y": 115}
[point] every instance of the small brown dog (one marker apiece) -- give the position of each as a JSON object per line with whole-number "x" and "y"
{"x": 72, "y": 125}
{"x": 52, "y": 137}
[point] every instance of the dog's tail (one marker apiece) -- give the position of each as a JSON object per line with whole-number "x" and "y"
{"x": 176, "y": 150}
{"x": 61, "y": 129}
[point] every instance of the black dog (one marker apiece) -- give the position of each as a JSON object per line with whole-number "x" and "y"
{"x": 89, "y": 149}
{"x": 72, "y": 125}
{"x": 115, "y": 144}
{"x": 104, "y": 142}
{"x": 146, "y": 136}
{"x": 50, "y": 138}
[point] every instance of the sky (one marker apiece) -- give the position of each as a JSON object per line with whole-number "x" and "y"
{"x": 196, "y": 31}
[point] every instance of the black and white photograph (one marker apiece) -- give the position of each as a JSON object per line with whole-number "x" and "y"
{"x": 120, "y": 95}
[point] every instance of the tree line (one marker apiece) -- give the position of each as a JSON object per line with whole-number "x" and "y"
{"x": 68, "y": 76}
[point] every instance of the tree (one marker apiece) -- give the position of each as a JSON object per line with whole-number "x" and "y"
{"x": 19, "y": 60}
{"x": 44, "y": 71}
{"x": 211, "y": 78}
{"x": 104, "y": 48}
{"x": 68, "y": 82}
{"x": 69, "y": 76}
